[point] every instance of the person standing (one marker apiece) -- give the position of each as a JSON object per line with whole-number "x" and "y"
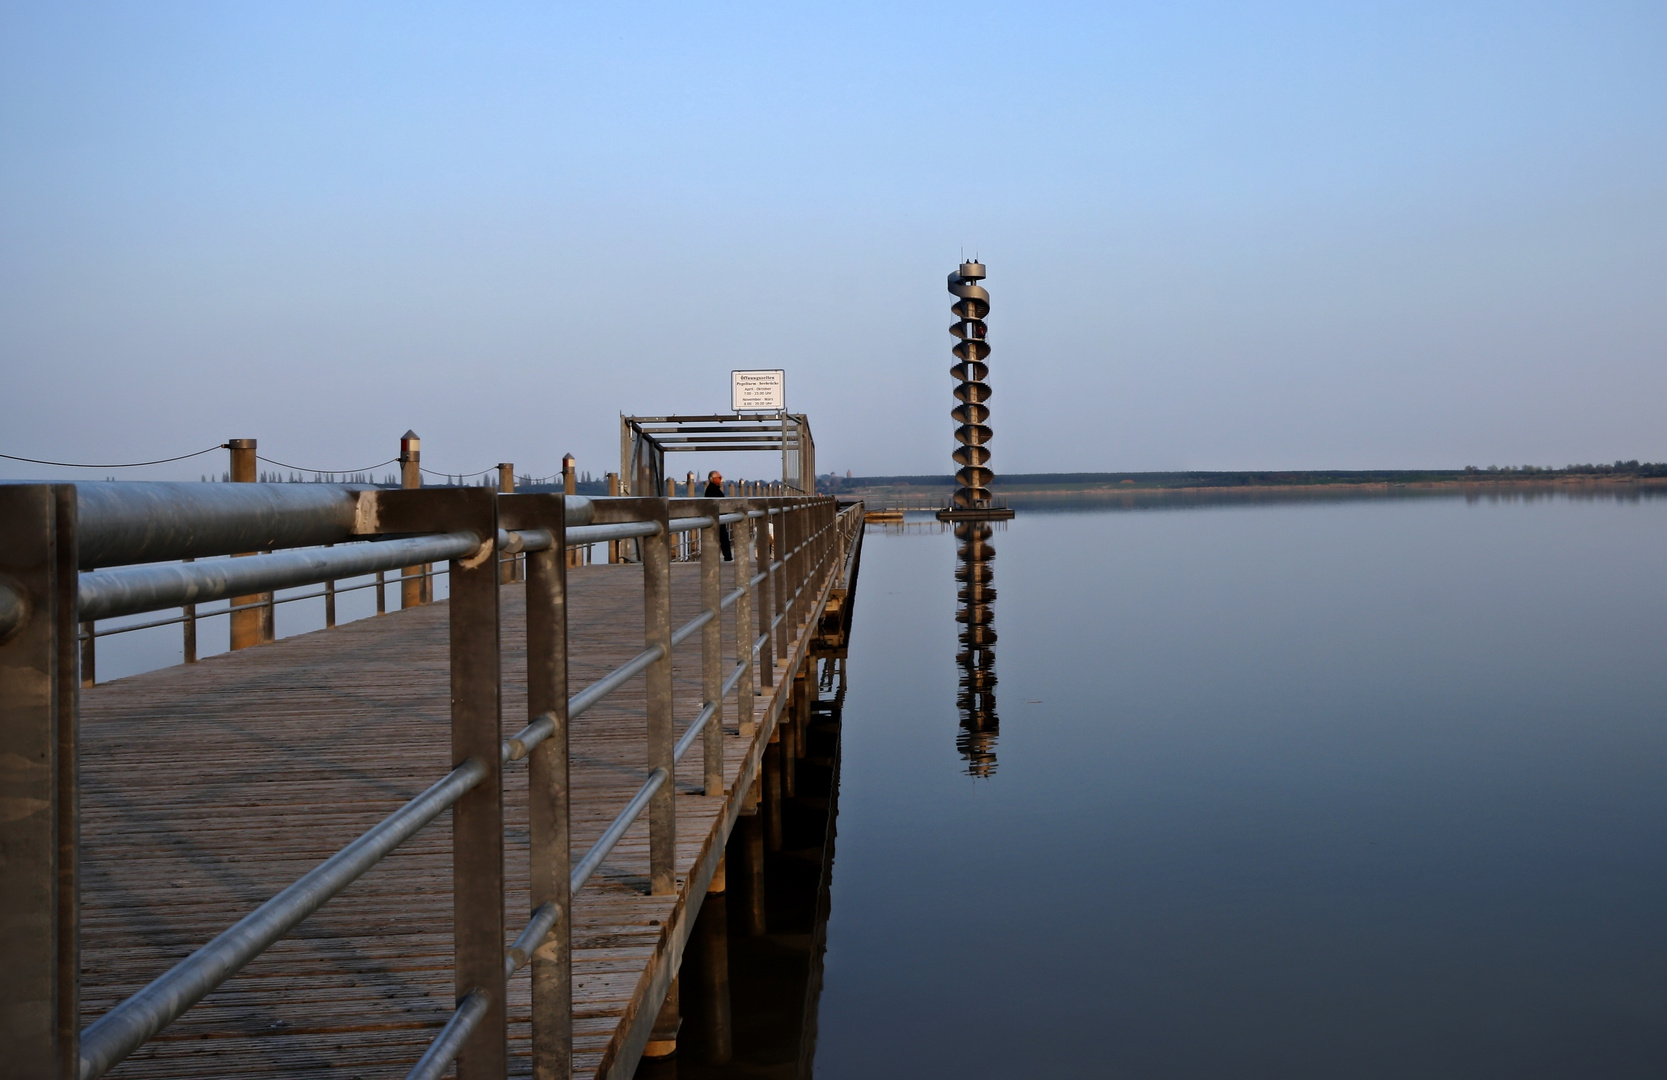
{"x": 715, "y": 490}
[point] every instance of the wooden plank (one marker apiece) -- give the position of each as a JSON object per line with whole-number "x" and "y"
{"x": 206, "y": 788}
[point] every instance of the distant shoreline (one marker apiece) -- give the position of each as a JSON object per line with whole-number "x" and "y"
{"x": 1019, "y": 490}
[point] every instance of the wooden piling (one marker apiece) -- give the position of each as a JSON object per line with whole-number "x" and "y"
{"x": 614, "y": 490}
{"x": 413, "y": 578}
{"x": 711, "y": 955}
{"x": 506, "y": 486}
{"x": 748, "y": 846}
{"x": 771, "y": 808}
{"x": 246, "y": 625}
{"x": 570, "y": 486}
{"x": 662, "y": 1043}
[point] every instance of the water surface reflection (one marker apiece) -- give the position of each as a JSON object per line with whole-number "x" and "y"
{"x": 975, "y": 612}
{"x": 1340, "y": 787}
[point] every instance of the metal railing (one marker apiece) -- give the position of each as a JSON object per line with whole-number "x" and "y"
{"x": 580, "y": 551}
{"x": 73, "y": 553}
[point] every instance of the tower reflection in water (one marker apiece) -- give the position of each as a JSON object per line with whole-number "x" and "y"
{"x": 974, "y": 572}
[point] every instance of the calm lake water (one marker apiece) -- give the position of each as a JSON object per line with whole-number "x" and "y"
{"x": 1368, "y": 788}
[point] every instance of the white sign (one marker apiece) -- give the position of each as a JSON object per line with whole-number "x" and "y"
{"x": 758, "y": 390}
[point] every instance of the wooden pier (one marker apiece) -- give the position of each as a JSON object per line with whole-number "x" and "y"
{"x": 205, "y": 789}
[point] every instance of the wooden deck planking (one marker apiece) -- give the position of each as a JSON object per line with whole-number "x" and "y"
{"x": 207, "y": 788}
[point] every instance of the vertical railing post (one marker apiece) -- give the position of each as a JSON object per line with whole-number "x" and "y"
{"x": 68, "y": 797}
{"x": 766, "y": 596}
{"x": 745, "y": 635}
{"x": 780, "y": 586}
{"x": 246, "y": 625}
{"x": 188, "y": 631}
{"x": 548, "y": 790}
{"x": 476, "y": 732}
{"x": 712, "y": 651}
{"x": 89, "y": 653}
{"x": 801, "y": 564}
{"x": 413, "y": 578}
{"x": 662, "y": 820}
{"x": 791, "y": 562}
{"x": 330, "y": 600}
{"x": 613, "y": 491}
{"x": 478, "y": 817}
{"x": 39, "y": 911}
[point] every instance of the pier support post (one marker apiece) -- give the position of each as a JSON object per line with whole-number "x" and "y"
{"x": 788, "y": 728}
{"x": 747, "y": 849}
{"x": 662, "y": 1041}
{"x": 39, "y": 910}
{"x": 712, "y": 965}
{"x": 771, "y": 810}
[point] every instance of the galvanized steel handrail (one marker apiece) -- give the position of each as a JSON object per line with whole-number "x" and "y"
{"x": 695, "y": 727}
{"x": 607, "y": 684}
{"x": 127, "y": 522}
{"x": 110, "y": 1038}
{"x": 527, "y": 940}
{"x": 131, "y": 590}
{"x": 624, "y": 530}
{"x": 687, "y": 630}
{"x": 338, "y": 590}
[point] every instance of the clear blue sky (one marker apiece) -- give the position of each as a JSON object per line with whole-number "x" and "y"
{"x": 1219, "y": 235}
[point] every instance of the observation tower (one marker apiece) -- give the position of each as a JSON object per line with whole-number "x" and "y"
{"x": 973, "y": 500}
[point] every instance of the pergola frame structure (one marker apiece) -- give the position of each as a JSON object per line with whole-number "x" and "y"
{"x": 644, "y": 442}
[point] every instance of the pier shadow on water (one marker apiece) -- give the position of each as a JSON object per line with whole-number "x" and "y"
{"x": 774, "y": 972}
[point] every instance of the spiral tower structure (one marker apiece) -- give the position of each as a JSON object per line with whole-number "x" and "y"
{"x": 976, "y": 594}
{"x": 972, "y": 303}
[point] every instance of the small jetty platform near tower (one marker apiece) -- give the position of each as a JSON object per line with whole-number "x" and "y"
{"x": 973, "y": 500}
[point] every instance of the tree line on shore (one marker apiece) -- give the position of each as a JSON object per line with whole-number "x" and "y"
{"x": 1620, "y": 470}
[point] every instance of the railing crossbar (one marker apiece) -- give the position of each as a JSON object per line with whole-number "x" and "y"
{"x": 611, "y": 835}
{"x": 695, "y": 728}
{"x": 110, "y": 1038}
{"x": 436, "y": 1061}
{"x": 607, "y": 684}
{"x": 687, "y": 630}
